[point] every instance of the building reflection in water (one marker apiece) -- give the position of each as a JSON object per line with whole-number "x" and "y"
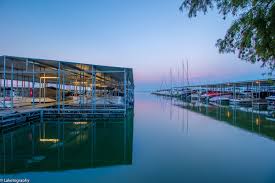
{"x": 65, "y": 144}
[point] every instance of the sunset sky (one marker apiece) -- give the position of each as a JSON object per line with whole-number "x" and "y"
{"x": 150, "y": 36}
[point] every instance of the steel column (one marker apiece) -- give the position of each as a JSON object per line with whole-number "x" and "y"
{"x": 58, "y": 94}
{"x": 4, "y": 92}
{"x": 94, "y": 87}
{"x": 11, "y": 92}
{"x": 125, "y": 89}
{"x": 63, "y": 89}
{"x": 32, "y": 84}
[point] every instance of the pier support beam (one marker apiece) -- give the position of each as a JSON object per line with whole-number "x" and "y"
{"x": 234, "y": 91}
{"x": 4, "y": 91}
{"x": 32, "y": 84}
{"x": 11, "y": 92}
{"x": 63, "y": 89}
{"x": 58, "y": 93}
{"x": 125, "y": 90}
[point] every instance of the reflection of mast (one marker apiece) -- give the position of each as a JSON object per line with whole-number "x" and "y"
{"x": 178, "y": 113}
{"x": 183, "y": 90}
{"x": 187, "y": 121}
{"x": 183, "y": 119}
{"x": 171, "y": 92}
{"x": 171, "y": 112}
{"x": 252, "y": 120}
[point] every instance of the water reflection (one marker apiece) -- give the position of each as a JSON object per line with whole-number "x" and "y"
{"x": 244, "y": 119}
{"x": 67, "y": 144}
{"x": 196, "y": 148}
{"x": 239, "y": 117}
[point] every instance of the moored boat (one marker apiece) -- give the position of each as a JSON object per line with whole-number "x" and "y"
{"x": 208, "y": 95}
{"x": 195, "y": 97}
{"x": 259, "y": 105}
{"x": 222, "y": 100}
{"x": 271, "y": 116}
{"x": 245, "y": 102}
{"x": 271, "y": 103}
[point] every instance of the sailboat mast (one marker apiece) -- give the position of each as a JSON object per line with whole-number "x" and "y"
{"x": 187, "y": 73}
{"x": 178, "y": 82}
{"x": 182, "y": 74}
{"x": 171, "y": 79}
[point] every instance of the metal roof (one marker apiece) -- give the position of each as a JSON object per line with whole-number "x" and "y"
{"x": 114, "y": 72}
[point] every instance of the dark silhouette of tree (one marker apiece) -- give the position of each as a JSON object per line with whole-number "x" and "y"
{"x": 252, "y": 33}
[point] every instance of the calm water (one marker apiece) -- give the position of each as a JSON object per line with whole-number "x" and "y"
{"x": 157, "y": 142}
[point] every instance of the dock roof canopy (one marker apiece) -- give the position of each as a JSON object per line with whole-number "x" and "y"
{"x": 75, "y": 68}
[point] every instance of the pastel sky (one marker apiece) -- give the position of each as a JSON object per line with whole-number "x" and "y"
{"x": 150, "y": 36}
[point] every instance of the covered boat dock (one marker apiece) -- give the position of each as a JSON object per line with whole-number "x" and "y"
{"x": 57, "y": 87}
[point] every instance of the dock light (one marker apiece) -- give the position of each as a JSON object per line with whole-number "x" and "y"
{"x": 228, "y": 114}
{"x": 257, "y": 121}
{"x": 78, "y": 82}
{"x": 103, "y": 86}
{"x": 97, "y": 84}
{"x": 48, "y": 77}
{"x": 81, "y": 123}
{"x": 49, "y": 140}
